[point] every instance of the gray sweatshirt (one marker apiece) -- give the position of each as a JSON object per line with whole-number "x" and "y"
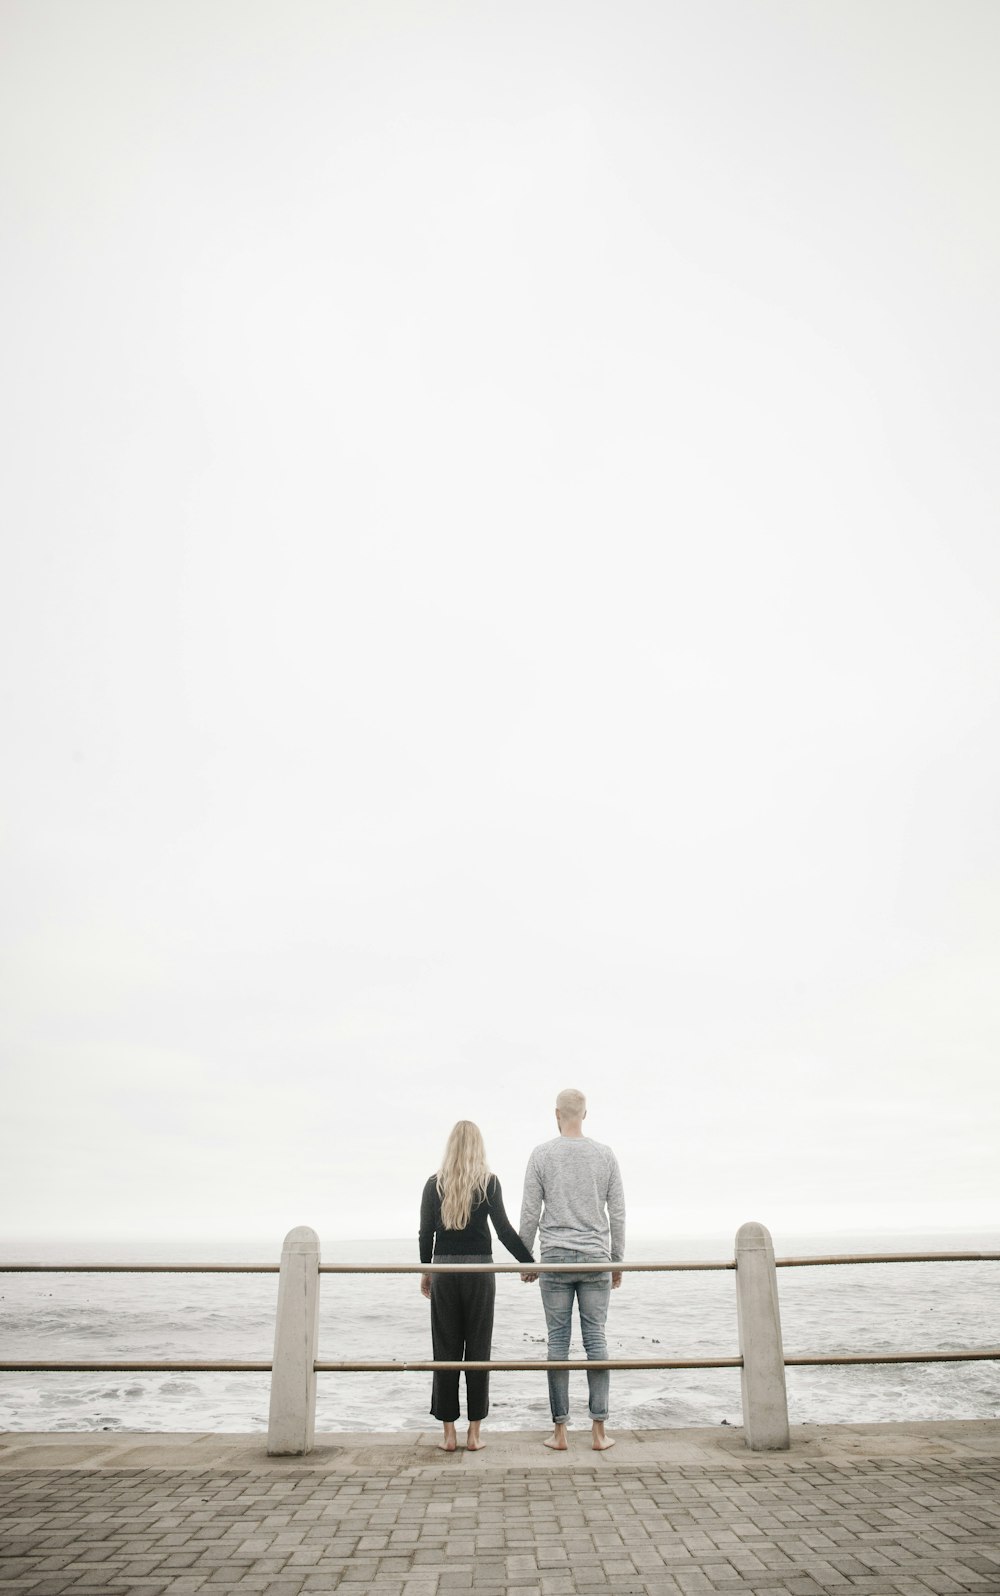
{"x": 573, "y": 1192}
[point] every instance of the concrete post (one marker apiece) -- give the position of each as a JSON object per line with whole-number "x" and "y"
{"x": 292, "y": 1421}
{"x": 765, "y": 1406}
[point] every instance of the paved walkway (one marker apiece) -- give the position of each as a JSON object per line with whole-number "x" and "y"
{"x": 884, "y": 1510}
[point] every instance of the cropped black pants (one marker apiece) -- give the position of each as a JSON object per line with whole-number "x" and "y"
{"x": 461, "y": 1327}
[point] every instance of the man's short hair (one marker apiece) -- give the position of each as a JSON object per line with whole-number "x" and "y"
{"x": 571, "y": 1103}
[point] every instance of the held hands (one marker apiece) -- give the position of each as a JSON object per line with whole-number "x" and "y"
{"x": 528, "y": 1276}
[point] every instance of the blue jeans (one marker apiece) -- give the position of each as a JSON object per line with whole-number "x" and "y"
{"x": 592, "y": 1294}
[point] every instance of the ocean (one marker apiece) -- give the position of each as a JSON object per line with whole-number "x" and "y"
{"x": 852, "y": 1308}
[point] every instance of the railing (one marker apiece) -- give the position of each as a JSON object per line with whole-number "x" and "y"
{"x": 761, "y": 1360}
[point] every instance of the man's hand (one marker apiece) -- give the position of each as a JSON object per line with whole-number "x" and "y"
{"x": 425, "y": 1285}
{"x": 616, "y": 1279}
{"x": 528, "y": 1277}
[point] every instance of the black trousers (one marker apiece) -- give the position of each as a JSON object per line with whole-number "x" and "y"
{"x": 461, "y": 1327}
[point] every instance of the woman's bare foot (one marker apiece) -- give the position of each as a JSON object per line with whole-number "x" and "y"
{"x": 473, "y": 1443}
{"x": 450, "y": 1442}
{"x": 557, "y": 1440}
{"x": 600, "y": 1442}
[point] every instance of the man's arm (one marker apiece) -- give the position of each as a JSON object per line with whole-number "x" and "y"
{"x": 531, "y": 1204}
{"x": 616, "y": 1212}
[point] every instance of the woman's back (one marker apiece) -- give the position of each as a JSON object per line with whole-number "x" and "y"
{"x": 438, "y": 1241}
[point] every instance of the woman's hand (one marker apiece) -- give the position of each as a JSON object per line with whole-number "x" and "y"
{"x": 425, "y": 1286}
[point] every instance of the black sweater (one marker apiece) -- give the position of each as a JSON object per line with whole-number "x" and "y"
{"x": 475, "y": 1238}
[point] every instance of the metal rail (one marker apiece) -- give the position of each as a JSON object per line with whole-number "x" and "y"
{"x": 138, "y": 1269}
{"x": 360, "y": 1269}
{"x": 887, "y": 1257}
{"x": 957, "y": 1355}
{"x": 522, "y": 1268}
{"x": 518, "y": 1365}
{"x": 360, "y": 1365}
{"x": 672, "y": 1267}
{"x": 134, "y": 1366}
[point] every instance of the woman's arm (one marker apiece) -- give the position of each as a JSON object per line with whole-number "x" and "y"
{"x": 428, "y": 1225}
{"x": 502, "y": 1225}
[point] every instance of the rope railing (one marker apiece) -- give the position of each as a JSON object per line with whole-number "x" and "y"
{"x": 295, "y": 1365}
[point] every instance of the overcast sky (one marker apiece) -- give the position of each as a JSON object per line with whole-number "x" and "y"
{"x": 501, "y": 592}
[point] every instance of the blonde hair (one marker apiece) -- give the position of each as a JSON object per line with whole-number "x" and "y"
{"x": 463, "y": 1175}
{"x": 571, "y": 1103}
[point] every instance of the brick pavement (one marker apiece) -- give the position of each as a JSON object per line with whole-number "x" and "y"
{"x": 926, "y": 1523}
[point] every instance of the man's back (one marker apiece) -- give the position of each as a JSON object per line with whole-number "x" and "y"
{"x": 579, "y": 1183}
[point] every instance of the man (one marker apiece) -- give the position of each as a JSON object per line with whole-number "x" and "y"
{"x": 573, "y": 1192}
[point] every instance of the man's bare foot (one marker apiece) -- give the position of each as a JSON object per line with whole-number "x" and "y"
{"x": 473, "y": 1441}
{"x": 450, "y": 1441}
{"x": 557, "y": 1441}
{"x": 600, "y": 1442}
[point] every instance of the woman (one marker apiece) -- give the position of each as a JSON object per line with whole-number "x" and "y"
{"x": 454, "y": 1209}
